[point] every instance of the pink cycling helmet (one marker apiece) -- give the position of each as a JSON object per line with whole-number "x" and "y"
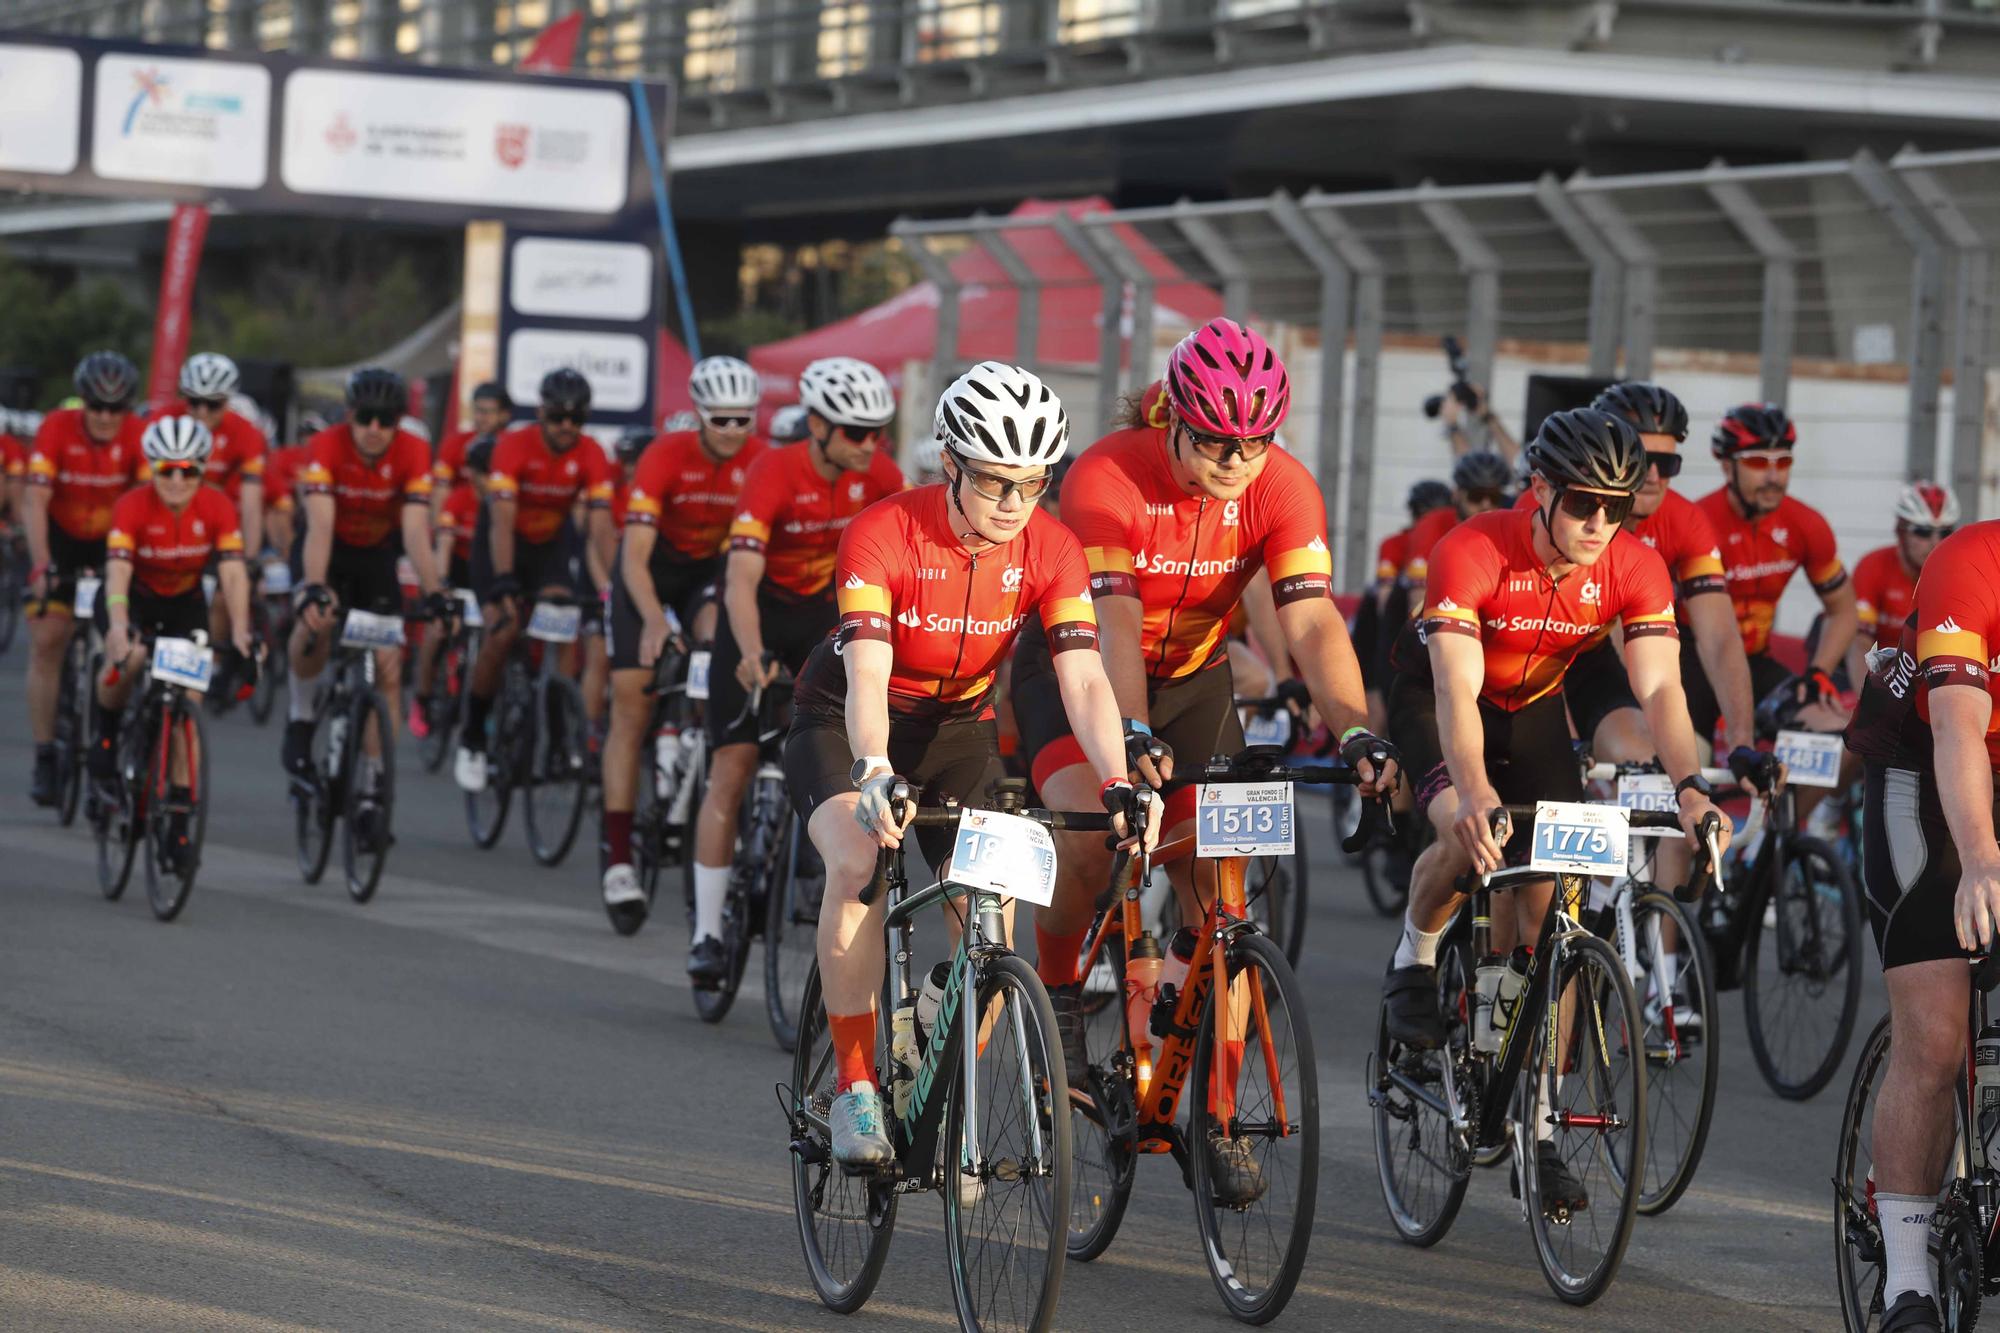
{"x": 1224, "y": 379}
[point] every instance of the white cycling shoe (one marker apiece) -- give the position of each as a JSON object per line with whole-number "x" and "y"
{"x": 468, "y": 767}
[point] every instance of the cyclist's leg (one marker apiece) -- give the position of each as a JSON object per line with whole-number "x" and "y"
{"x": 732, "y": 760}
{"x": 495, "y": 646}
{"x": 114, "y": 687}
{"x": 631, "y": 711}
{"x": 50, "y": 626}
{"x": 1062, "y": 781}
{"x": 1195, "y": 715}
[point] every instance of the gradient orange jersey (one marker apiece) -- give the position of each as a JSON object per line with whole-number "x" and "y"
{"x": 1187, "y": 557}
{"x": 794, "y": 516}
{"x": 84, "y": 478}
{"x": 1759, "y": 556}
{"x": 687, "y": 493}
{"x": 169, "y": 551}
{"x": 1884, "y": 592}
{"x": 544, "y": 484}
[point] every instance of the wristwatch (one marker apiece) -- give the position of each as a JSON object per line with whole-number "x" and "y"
{"x": 870, "y": 763}
{"x": 1698, "y": 783}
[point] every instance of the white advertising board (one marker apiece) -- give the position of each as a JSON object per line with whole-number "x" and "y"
{"x": 189, "y": 122}
{"x": 616, "y": 364}
{"x": 41, "y": 109}
{"x": 456, "y": 141}
{"x": 581, "y": 279}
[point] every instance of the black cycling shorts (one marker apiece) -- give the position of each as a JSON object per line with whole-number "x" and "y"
{"x": 1365, "y": 634}
{"x": 537, "y": 565}
{"x": 1909, "y": 866}
{"x": 69, "y": 556}
{"x": 1766, "y": 674}
{"x": 681, "y": 588}
{"x": 363, "y": 578}
{"x": 1596, "y": 687}
{"x": 792, "y": 628}
{"x": 1529, "y": 754}
{"x": 163, "y": 617}
{"x": 960, "y": 760}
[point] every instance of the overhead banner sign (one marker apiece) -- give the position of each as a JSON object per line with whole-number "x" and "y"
{"x": 41, "y": 109}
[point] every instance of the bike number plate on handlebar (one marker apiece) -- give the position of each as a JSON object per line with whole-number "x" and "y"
{"x": 698, "y": 661}
{"x": 1811, "y": 758}
{"x": 365, "y": 629}
{"x": 555, "y": 624}
{"x": 1578, "y": 839}
{"x": 469, "y": 614}
{"x": 1649, "y": 791}
{"x": 277, "y": 579}
{"x": 1275, "y": 729}
{"x": 85, "y": 601}
{"x": 1244, "y": 819}
{"x": 1003, "y": 854}
{"x": 183, "y": 662}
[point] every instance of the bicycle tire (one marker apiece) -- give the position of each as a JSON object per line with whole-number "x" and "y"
{"x": 167, "y": 891}
{"x": 1275, "y": 891}
{"x": 443, "y": 703}
{"x": 486, "y": 811}
{"x": 1675, "y": 1136}
{"x": 1103, "y": 1132}
{"x": 363, "y": 864}
{"x": 1589, "y": 967}
{"x": 1858, "y": 1258}
{"x": 845, "y": 1222}
{"x": 791, "y": 930}
{"x": 556, "y": 764}
{"x": 1256, "y": 1290}
{"x": 1842, "y": 969}
{"x": 121, "y": 828}
{"x": 313, "y": 801}
{"x": 1016, "y": 1194}
{"x": 73, "y": 726}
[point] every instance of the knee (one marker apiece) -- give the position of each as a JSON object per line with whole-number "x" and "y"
{"x": 1927, "y": 1050}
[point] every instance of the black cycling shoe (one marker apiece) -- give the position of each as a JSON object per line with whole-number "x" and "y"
{"x": 296, "y": 751}
{"x": 1411, "y": 1014}
{"x": 103, "y": 764}
{"x": 42, "y": 786}
{"x": 1558, "y": 1186}
{"x": 1912, "y": 1311}
{"x": 371, "y": 831}
{"x": 179, "y": 853}
{"x": 708, "y": 963}
{"x": 1067, "y": 1001}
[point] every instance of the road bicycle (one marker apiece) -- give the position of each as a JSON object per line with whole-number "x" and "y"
{"x": 663, "y": 817}
{"x": 271, "y": 629}
{"x": 73, "y": 738}
{"x": 538, "y": 742}
{"x": 352, "y": 778}
{"x": 1275, "y": 888}
{"x": 978, "y": 1095}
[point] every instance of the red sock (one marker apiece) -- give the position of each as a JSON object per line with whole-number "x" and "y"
{"x": 1057, "y": 957}
{"x": 618, "y": 837}
{"x": 853, "y": 1049}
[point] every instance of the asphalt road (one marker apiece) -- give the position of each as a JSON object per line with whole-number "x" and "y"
{"x": 469, "y": 1105}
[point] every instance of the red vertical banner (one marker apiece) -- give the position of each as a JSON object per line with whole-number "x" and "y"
{"x": 185, "y": 235}
{"x": 554, "y": 51}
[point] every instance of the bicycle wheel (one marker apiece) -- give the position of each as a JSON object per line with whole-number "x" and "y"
{"x": 1256, "y": 1247}
{"x": 1007, "y": 1146}
{"x": 506, "y": 731}
{"x": 553, "y": 798}
{"x": 791, "y": 930}
{"x": 314, "y": 799}
{"x": 1597, "y": 1102}
{"x": 1274, "y": 893}
{"x": 365, "y": 836}
{"x": 1857, "y": 1231}
{"x": 73, "y": 726}
{"x": 845, "y": 1222}
{"x": 1676, "y": 993}
{"x": 176, "y": 820}
{"x": 1103, "y": 1124}
{"x": 121, "y": 825}
{"x": 1802, "y": 981}
{"x": 442, "y": 703}
{"x": 1423, "y": 1162}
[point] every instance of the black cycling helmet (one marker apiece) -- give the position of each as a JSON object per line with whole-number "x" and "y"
{"x": 106, "y": 377}
{"x": 492, "y": 391}
{"x": 1482, "y": 470}
{"x": 1752, "y": 426}
{"x": 632, "y": 444}
{"x": 566, "y": 388}
{"x": 479, "y": 454}
{"x": 1651, "y": 409}
{"x": 374, "y": 388}
{"x": 1592, "y": 449}
{"x": 1426, "y": 496}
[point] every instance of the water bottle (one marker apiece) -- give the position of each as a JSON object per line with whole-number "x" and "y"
{"x": 1142, "y": 987}
{"x": 1513, "y": 980}
{"x": 336, "y": 741}
{"x": 930, "y": 998}
{"x": 1173, "y": 976}
{"x": 903, "y": 1055}
{"x": 666, "y": 761}
{"x": 1486, "y": 990}
{"x": 1986, "y": 1081}
{"x": 677, "y": 812}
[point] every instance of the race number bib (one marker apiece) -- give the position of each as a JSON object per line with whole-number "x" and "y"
{"x": 1003, "y": 854}
{"x": 1572, "y": 838}
{"x": 1811, "y": 758}
{"x": 365, "y": 629}
{"x": 1244, "y": 819}
{"x": 183, "y": 662}
{"x": 85, "y": 601}
{"x": 555, "y": 624}
{"x": 698, "y": 661}
{"x": 1275, "y": 729}
{"x": 276, "y": 579}
{"x": 469, "y": 614}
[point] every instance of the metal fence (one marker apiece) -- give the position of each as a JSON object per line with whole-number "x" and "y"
{"x": 1854, "y": 262}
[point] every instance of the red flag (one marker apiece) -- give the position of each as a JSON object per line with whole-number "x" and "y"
{"x": 185, "y": 235}
{"x": 554, "y": 51}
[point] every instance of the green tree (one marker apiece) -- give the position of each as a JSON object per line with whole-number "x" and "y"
{"x": 54, "y": 327}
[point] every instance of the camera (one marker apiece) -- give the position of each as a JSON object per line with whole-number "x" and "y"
{"x": 1461, "y": 389}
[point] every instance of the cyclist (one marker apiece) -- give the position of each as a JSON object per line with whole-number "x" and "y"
{"x": 83, "y": 459}
{"x": 540, "y": 472}
{"x": 1478, "y": 705}
{"x": 209, "y": 382}
{"x": 491, "y": 410}
{"x": 1766, "y": 536}
{"x": 1175, "y": 524}
{"x": 935, "y": 584}
{"x": 1885, "y": 580}
{"x": 596, "y": 681}
{"x": 365, "y": 482}
{"x": 457, "y": 520}
{"x": 1385, "y": 606}
{"x": 281, "y": 474}
{"x": 676, "y": 519}
{"x": 1928, "y": 736}
{"x": 163, "y": 536}
{"x": 777, "y": 599}
{"x": 1480, "y": 481}
{"x": 13, "y": 469}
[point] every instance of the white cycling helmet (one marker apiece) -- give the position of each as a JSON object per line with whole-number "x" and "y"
{"x": 723, "y": 381}
{"x": 177, "y": 439}
{"x": 927, "y": 458}
{"x": 997, "y": 413}
{"x": 847, "y": 392}
{"x": 209, "y": 375}
{"x": 788, "y": 424}
{"x": 1925, "y": 504}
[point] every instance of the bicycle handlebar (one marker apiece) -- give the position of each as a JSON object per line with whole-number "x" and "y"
{"x": 1605, "y": 772}
{"x": 901, "y": 797}
{"x": 1265, "y": 763}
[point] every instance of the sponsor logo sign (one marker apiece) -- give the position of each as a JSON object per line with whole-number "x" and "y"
{"x": 576, "y": 279}
{"x": 41, "y": 109}
{"x": 616, "y": 364}
{"x": 200, "y": 122}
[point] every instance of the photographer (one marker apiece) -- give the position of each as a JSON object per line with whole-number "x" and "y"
{"x": 1465, "y": 401}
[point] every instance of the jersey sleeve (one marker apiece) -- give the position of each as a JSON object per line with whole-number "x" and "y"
{"x": 1389, "y": 556}
{"x": 316, "y": 473}
{"x": 1699, "y": 569}
{"x": 763, "y": 496}
{"x": 889, "y": 478}
{"x": 221, "y": 516}
{"x": 1645, "y": 592}
{"x": 254, "y": 448}
{"x": 1295, "y": 549}
{"x": 1465, "y": 570}
{"x": 864, "y": 576}
{"x": 450, "y": 458}
{"x": 1065, "y": 607}
{"x": 1424, "y": 538}
{"x": 416, "y": 469}
{"x": 1102, "y": 509}
{"x": 1822, "y": 557}
{"x": 128, "y": 519}
{"x": 504, "y": 481}
{"x": 647, "y": 497}
{"x": 1958, "y": 615}
{"x": 41, "y": 464}
{"x": 1869, "y": 590}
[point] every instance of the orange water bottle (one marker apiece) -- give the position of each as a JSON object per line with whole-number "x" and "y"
{"x": 1142, "y": 987}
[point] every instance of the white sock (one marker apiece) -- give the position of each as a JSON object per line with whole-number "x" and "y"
{"x": 1419, "y": 948}
{"x": 1545, "y": 1130}
{"x": 1906, "y": 1244}
{"x": 1670, "y": 967}
{"x": 299, "y": 696}
{"x": 711, "y": 892}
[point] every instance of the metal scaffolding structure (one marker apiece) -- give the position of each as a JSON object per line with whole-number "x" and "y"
{"x": 1861, "y": 261}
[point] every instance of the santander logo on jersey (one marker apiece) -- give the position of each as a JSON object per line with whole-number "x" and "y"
{"x": 853, "y": 581}
{"x": 1200, "y": 569}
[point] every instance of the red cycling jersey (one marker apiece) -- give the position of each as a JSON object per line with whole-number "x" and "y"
{"x": 1759, "y": 555}
{"x": 795, "y": 517}
{"x": 169, "y": 550}
{"x": 1391, "y": 556}
{"x": 1487, "y": 580}
{"x": 903, "y": 578}
{"x": 367, "y": 496}
{"x": 281, "y": 474}
{"x": 1187, "y": 557}
{"x": 1424, "y": 535}
{"x": 240, "y": 451}
{"x": 85, "y": 478}
{"x": 460, "y": 515}
{"x": 687, "y": 493}
{"x": 449, "y": 470}
{"x": 1950, "y": 638}
{"x": 13, "y": 458}
{"x": 1884, "y": 592}
{"x": 544, "y": 484}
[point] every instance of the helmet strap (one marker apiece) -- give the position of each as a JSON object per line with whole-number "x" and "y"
{"x": 1549, "y": 520}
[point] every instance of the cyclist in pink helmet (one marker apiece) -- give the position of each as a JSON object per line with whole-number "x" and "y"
{"x": 1224, "y": 381}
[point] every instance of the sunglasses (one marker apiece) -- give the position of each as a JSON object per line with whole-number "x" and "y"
{"x": 1666, "y": 464}
{"x": 556, "y": 416}
{"x": 1928, "y": 533}
{"x": 372, "y": 416}
{"x": 178, "y": 471}
{"x": 1582, "y": 504}
{"x": 728, "y": 423}
{"x": 859, "y": 434}
{"x": 92, "y": 406}
{"x": 1762, "y": 462}
{"x": 211, "y": 404}
{"x": 1218, "y": 448}
{"x": 999, "y": 488}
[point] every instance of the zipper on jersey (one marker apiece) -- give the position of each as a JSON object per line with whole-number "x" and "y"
{"x": 1187, "y": 579}
{"x": 965, "y": 614}
{"x": 1514, "y": 695}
